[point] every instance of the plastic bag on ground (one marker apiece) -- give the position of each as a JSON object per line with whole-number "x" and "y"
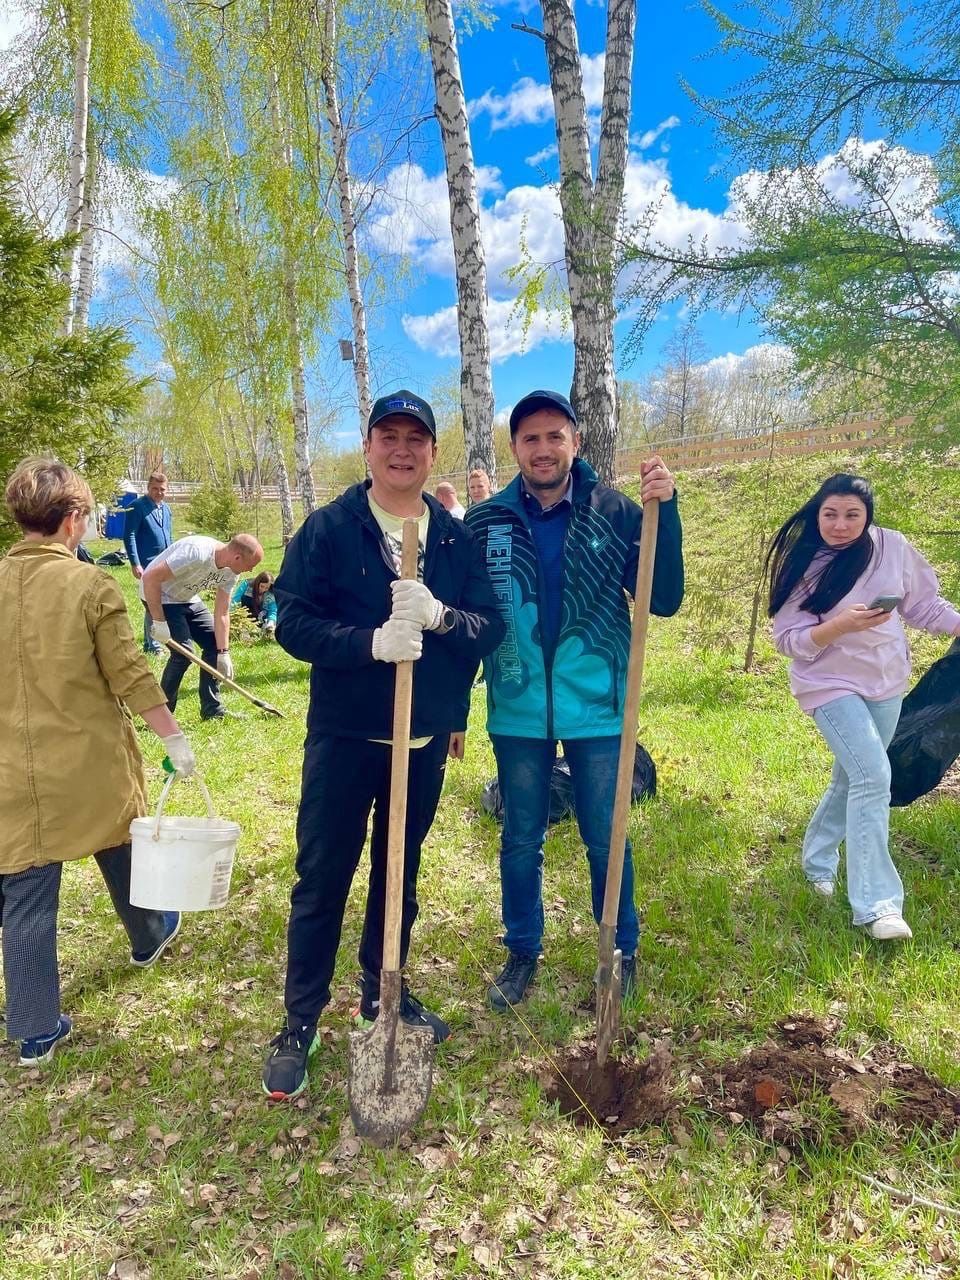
{"x": 561, "y": 788}
{"x": 927, "y": 740}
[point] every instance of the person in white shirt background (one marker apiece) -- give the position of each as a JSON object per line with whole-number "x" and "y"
{"x": 169, "y": 589}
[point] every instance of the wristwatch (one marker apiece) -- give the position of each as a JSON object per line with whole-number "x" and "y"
{"x": 448, "y": 620}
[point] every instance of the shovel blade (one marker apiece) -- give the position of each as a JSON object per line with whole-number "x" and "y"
{"x": 609, "y": 985}
{"x": 391, "y": 1071}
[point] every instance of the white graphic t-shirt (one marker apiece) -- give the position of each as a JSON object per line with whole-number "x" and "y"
{"x": 194, "y": 570}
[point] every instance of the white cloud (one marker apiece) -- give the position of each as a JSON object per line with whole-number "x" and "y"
{"x": 648, "y": 138}
{"x": 438, "y": 333}
{"x": 540, "y": 157}
{"x": 530, "y": 101}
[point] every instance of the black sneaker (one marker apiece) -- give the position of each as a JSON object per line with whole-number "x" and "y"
{"x": 628, "y": 976}
{"x": 512, "y": 981}
{"x": 285, "y": 1070}
{"x": 412, "y": 1010}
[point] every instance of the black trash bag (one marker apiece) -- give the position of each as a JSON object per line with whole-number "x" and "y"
{"x": 927, "y": 740}
{"x": 113, "y": 558}
{"x": 84, "y": 555}
{"x": 561, "y": 788}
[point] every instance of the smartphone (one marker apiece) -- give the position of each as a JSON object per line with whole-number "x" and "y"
{"x": 886, "y": 603}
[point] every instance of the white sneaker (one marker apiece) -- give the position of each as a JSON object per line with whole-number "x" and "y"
{"x": 823, "y": 887}
{"x": 889, "y": 927}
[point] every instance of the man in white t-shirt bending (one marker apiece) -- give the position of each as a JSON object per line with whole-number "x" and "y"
{"x": 169, "y": 588}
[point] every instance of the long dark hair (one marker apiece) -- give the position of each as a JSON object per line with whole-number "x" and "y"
{"x": 798, "y": 540}
{"x": 264, "y": 580}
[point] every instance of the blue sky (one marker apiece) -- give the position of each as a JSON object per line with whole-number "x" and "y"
{"x": 674, "y": 160}
{"x": 506, "y": 83}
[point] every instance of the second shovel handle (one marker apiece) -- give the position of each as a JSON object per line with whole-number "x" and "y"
{"x": 631, "y": 710}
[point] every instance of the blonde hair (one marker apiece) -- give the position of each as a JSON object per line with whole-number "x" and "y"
{"x": 42, "y": 492}
{"x": 158, "y": 476}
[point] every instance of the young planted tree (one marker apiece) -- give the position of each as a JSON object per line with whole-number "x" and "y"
{"x": 476, "y": 384}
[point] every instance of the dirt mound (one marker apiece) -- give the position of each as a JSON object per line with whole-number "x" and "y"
{"x": 796, "y": 1092}
{"x": 771, "y": 1087}
{"x": 621, "y": 1095}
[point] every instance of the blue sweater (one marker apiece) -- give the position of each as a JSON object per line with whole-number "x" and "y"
{"x": 148, "y": 530}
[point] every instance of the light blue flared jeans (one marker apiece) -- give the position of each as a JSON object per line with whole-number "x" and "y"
{"x": 856, "y": 806}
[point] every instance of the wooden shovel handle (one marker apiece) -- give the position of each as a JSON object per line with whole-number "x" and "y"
{"x": 631, "y": 711}
{"x": 399, "y": 769}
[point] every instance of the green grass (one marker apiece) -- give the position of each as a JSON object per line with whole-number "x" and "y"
{"x": 147, "y": 1143}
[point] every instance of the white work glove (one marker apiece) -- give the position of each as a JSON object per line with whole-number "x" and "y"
{"x": 180, "y": 754}
{"x": 225, "y": 665}
{"x": 269, "y": 631}
{"x": 397, "y": 641}
{"x": 161, "y": 632}
{"x": 413, "y": 602}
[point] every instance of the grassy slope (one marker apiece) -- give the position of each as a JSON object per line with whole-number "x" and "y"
{"x": 147, "y": 1145}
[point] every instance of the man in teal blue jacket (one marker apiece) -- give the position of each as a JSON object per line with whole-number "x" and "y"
{"x": 561, "y": 550}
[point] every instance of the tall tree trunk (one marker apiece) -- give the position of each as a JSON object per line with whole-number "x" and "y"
{"x": 283, "y": 481}
{"x": 590, "y": 212}
{"x": 78, "y": 153}
{"x": 348, "y": 217}
{"x": 88, "y": 243}
{"x": 476, "y": 385}
{"x": 291, "y": 297}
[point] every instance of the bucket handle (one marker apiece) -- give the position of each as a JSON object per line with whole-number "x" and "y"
{"x": 211, "y": 812}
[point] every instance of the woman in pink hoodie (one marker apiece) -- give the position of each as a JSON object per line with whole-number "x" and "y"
{"x": 839, "y": 586}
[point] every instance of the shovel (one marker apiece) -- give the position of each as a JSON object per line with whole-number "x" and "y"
{"x": 231, "y": 684}
{"x": 391, "y": 1064}
{"x": 609, "y": 972}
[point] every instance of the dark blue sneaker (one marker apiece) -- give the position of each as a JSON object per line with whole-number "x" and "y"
{"x": 40, "y": 1048}
{"x": 628, "y": 976}
{"x": 144, "y": 959}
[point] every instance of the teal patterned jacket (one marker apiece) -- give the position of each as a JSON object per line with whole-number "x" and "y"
{"x": 576, "y": 690}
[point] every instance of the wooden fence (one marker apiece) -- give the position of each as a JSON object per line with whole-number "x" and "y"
{"x": 689, "y": 454}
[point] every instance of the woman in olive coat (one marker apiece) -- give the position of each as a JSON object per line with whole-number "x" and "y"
{"x": 69, "y": 759}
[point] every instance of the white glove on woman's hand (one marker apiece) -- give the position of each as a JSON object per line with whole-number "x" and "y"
{"x": 180, "y": 754}
{"x": 397, "y": 641}
{"x": 413, "y": 602}
{"x": 225, "y": 665}
{"x": 161, "y": 632}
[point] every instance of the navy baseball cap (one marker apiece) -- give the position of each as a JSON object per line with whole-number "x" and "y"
{"x": 535, "y": 400}
{"x": 407, "y": 403}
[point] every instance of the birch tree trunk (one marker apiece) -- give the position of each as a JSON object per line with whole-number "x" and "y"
{"x": 283, "y": 481}
{"x": 78, "y": 153}
{"x": 590, "y": 211}
{"x": 348, "y": 217}
{"x": 476, "y": 386}
{"x": 291, "y": 295}
{"x": 88, "y": 242}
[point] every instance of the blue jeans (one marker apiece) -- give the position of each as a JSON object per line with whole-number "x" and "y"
{"x": 524, "y": 766}
{"x": 856, "y": 806}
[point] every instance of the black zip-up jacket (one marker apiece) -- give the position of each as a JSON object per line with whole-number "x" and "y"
{"x": 333, "y": 591}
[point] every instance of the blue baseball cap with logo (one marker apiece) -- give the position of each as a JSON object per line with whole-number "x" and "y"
{"x": 406, "y": 403}
{"x": 535, "y": 400}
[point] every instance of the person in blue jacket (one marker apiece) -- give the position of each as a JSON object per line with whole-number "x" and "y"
{"x": 561, "y": 550}
{"x": 148, "y": 530}
{"x": 344, "y": 609}
{"x": 257, "y": 597}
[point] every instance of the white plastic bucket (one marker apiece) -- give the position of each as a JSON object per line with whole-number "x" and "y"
{"x": 182, "y": 864}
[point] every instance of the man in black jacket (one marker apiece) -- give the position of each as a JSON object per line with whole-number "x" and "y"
{"x": 343, "y": 609}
